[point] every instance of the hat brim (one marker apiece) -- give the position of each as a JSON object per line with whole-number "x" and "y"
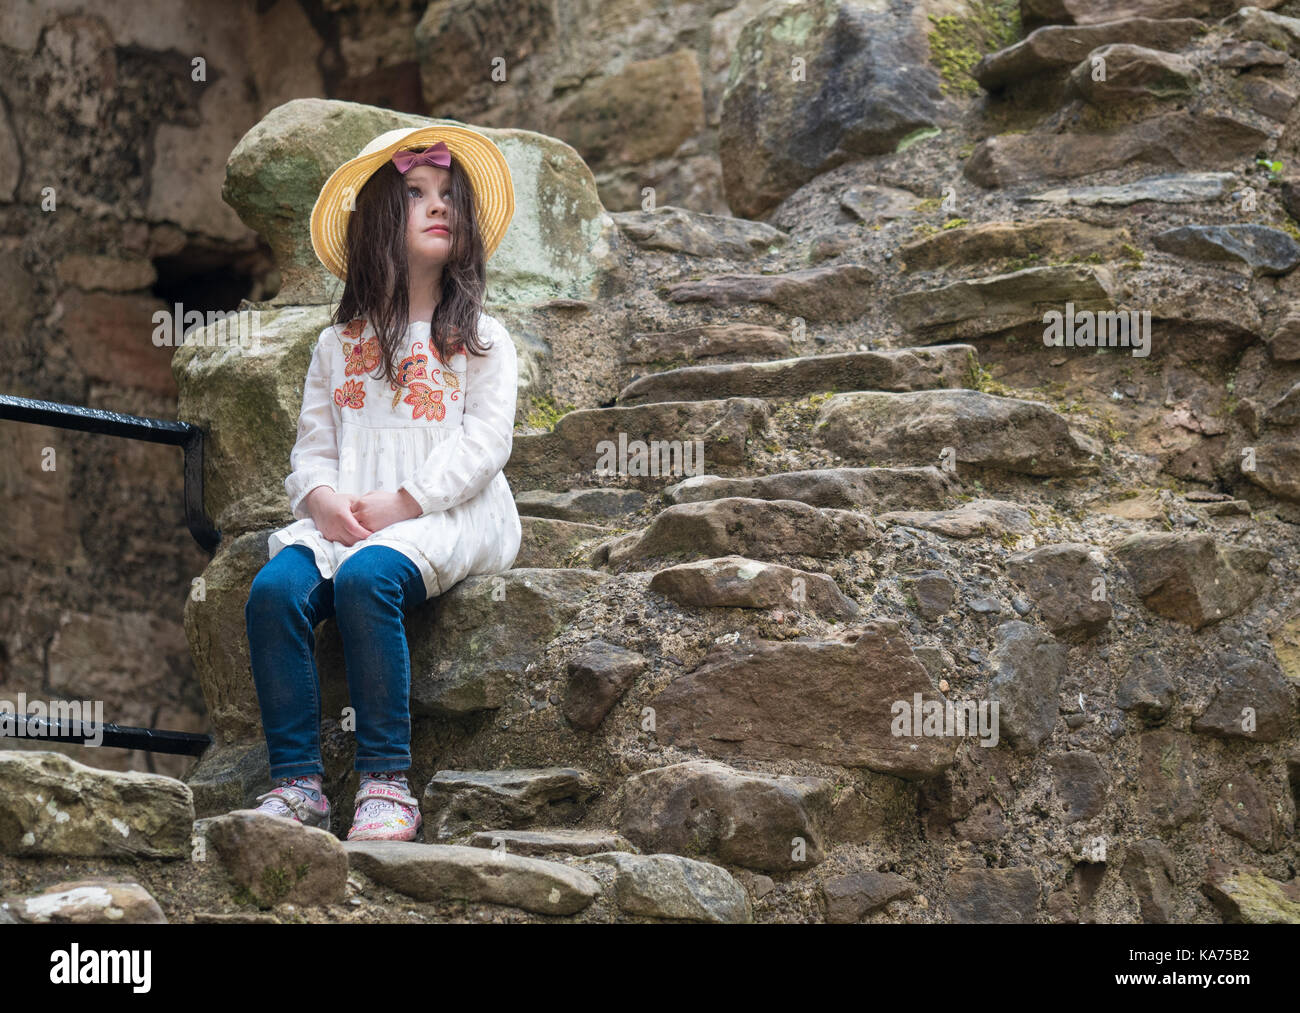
{"x": 483, "y": 162}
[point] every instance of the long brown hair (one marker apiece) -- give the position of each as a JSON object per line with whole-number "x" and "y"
{"x": 376, "y": 287}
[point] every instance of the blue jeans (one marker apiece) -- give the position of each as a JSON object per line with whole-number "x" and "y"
{"x": 367, "y": 596}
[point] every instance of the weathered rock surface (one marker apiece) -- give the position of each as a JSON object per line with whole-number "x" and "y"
{"x": 1247, "y": 895}
{"x": 579, "y": 505}
{"x": 88, "y": 902}
{"x": 1058, "y": 48}
{"x": 1192, "y": 578}
{"x": 850, "y": 897}
{"x": 487, "y": 630}
{"x": 51, "y": 805}
{"x": 900, "y": 369}
{"x": 599, "y": 674}
{"x": 841, "y": 292}
{"x": 548, "y": 842}
{"x": 1252, "y": 700}
{"x": 669, "y": 886}
{"x": 989, "y": 518}
{"x": 1029, "y": 667}
{"x": 1148, "y": 869}
{"x": 968, "y": 309}
{"x": 984, "y": 896}
{"x": 825, "y": 700}
{"x": 772, "y": 823}
{"x": 1172, "y": 140}
{"x": 277, "y": 860}
{"x": 736, "y": 582}
{"x": 1164, "y": 188}
{"x": 1133, "y": 72}
{"x": 977, "y": 429}
{"x": 755, "y": 528}
{"x": 1067, "y": 584}
{"x": 778, "y": 131}
{"x": 1265, "y": 250}
{"x": 456, "y": 802}
{"x": 681, "y": 230}
{"x": 452, "y": 872}
{"x": 549, "y": 544}
{"x": 975, "y": 245}
{"x": 656, "y": 441}
{"x": 869, "y": 489}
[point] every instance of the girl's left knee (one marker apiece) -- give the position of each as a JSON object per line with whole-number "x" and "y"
{"x": 371, "y": 574}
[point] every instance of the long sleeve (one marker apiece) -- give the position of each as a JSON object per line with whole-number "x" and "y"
{"x": 314, "y": 459}
{"x": 460, "y": 467}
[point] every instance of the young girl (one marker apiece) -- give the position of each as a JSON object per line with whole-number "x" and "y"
{"x": 397, "y": 483}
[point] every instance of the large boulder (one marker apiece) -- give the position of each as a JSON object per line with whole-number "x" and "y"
{"x": 51, "y": 805}
{"x": 868, "y": 85}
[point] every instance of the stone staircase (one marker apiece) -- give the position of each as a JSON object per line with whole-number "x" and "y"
{"x": 683, "y": 702}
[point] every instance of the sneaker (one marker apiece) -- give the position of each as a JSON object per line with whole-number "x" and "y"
{"x": 385, "y": 812}
{"x": 299, "y": 799}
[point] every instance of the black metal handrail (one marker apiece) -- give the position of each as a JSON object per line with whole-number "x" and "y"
{"x": 132, "y": 427}
{"x": 151, "y": 740}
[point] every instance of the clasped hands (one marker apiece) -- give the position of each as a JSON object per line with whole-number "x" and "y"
{"x": 351, "y": 519}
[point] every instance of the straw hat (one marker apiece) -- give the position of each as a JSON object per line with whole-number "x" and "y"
{"x": 494, "y": 192}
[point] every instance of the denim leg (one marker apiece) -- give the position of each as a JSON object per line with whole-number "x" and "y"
{"x": 286, "y": 601}
{"x": 372, "y": 590}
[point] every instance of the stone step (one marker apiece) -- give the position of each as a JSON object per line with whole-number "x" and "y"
{"x": 979, "y": 306}
{"x": 582, "y": 506}
{"x": 835, "y": 292}
{"x": 1057, "y": 49}
{"x": 901, "y": 369}
{"x": 552, "y": 544}
{"x": 588, "y": 441}
{"x": 969, "y": 427}
{"x": 443, "y": 872}
{"x": 720, "y": 342}
{"x": 872, "y": 489}
{"x": 550, "y": 841}
{"x": 460, "y": 802}
{"x": 755, "y": 528}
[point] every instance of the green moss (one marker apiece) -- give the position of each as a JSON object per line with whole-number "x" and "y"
{"x": 956, "y": 223}
{"x": 957, "y": 43}
{"x": 924, "y": 133}
{"x": 1020, "y": 263}
{"x": 544, "y": 413}
{"x": 1136, "y": 256}
{"x": 982, "y": 380}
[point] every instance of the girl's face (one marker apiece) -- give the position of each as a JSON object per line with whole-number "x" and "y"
{"x": 428, "y": 219}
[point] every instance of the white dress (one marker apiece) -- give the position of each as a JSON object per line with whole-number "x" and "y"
{"x": 443, "y": 435}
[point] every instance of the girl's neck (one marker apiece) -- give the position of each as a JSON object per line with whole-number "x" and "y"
{"x": 418, "y": 297}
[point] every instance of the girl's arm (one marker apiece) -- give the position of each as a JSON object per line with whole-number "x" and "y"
{"x": 315, "y": 456}
{"x": 460, "y": 468}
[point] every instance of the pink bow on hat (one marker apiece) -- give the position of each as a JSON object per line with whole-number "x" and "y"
{"x": 437, "y": 154}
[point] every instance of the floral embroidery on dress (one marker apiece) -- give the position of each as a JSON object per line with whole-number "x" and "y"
{"x": 362, "y": 357}
{"x": 355, "y": 328}
{"x": 427, "y": 401}
{"x": 352, "y": 394}
{"x": 413, "y": 367}
{"x": 449, "y": 379}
